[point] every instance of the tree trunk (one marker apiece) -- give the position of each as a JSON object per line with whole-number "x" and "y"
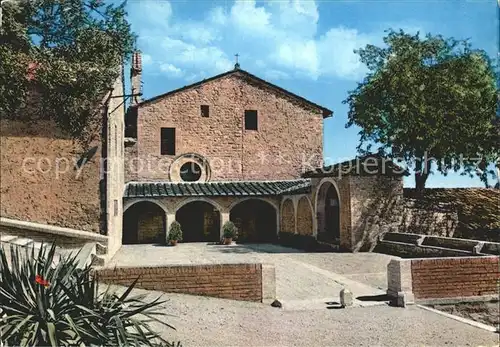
{"x": 422, "y": 170}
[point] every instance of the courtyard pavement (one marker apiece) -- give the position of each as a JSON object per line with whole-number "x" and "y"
{"x": 304, "y": 281}
{"x": 204, "y": 321}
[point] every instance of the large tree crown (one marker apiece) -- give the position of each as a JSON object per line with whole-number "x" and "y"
{"x": 426, "y": 95}
{"x": 76, "y": 46}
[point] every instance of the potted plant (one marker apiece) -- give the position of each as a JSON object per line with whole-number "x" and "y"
{"x": 175, "y": 233}
{"x": 229, "y": 231}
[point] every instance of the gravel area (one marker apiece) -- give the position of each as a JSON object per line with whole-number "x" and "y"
{"x": 203, "y": 321}
{"x": 483, "y": 312}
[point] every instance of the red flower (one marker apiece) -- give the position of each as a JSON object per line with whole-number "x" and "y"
{"x": 39, "y": 279}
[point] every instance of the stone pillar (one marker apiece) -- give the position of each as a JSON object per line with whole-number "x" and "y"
{"x": 170, "y": 218}
{"x": 268, "y": 283}
{"x": 224, "y": 217}
{"x": 399, "y": 282}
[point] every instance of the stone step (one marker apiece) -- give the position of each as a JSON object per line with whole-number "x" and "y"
{"x": 101, "y": 249}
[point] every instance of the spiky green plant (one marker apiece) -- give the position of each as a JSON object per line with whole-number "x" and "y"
{"x": 48, "y": 302}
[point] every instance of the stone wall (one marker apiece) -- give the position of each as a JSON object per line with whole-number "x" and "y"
{"x": 375, "y": 204}
{"x": 39, "y": 180}
{"x": 43, "y": 180}
{"x": 419, "y": 218}
{"x": 288, "y": 133}
{"x": 113, "y": 168}
{"x": 467, "y": 213}
{"x": 229, "y": 281}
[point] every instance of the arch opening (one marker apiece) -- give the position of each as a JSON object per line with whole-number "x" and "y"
{"x": 200, "y": 222}
{"x": 287, "y": 224}
{"x": 328, "y": 214}
{"x": 304, "y": 217}
{"x": 255, "y": 220}
{"x": 143, "y": 222}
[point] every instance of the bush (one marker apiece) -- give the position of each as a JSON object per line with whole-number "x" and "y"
{"x": 229, "y": 230}
{"x": 304, "y": 242}
{"x": 43, "y": 303}
{"x": 175, "y": 232}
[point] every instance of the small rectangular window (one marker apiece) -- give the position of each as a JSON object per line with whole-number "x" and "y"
{"x": 168, "y": 141}
{"x": 205, "y": 110}
{"x": 250, "y": 119}
{"x": 115, "y": 205}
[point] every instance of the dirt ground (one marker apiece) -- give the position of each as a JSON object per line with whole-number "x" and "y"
{"x": 483, "y": 312}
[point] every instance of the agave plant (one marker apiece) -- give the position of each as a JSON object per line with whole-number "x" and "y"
{"x": 48, "y": 302}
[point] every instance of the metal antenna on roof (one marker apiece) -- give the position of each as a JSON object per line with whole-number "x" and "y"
{"x": 237, "y": 65}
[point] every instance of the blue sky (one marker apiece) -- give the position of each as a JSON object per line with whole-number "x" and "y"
{"x": 303, "y": 46}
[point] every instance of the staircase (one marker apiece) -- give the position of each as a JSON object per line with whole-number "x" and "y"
{"x": 88, "y": 253}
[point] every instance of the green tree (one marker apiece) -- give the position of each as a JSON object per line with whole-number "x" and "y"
{"x": 67, "y": 52}
{"x": 427, "y": 100}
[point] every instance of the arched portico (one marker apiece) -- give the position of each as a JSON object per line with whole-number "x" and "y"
{"x": 327, "y": 206}
{"x": 144, "y": 221}
{"x": 256, "y": 219}
{"x": 287, "y": 216}
{"x": 200, "y": 220}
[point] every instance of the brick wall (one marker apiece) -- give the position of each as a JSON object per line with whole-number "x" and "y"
{"x": 233, "y": 152}
{"x": 454, "y": 277}
{"x": 229, "y": 281}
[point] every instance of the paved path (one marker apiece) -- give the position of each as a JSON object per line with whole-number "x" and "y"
{"x": 303, "y": 280}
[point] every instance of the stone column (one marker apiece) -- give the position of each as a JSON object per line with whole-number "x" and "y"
{"x": 224, "y": 217}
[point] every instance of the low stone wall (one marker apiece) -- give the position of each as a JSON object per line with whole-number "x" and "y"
{"x": 443, "y": 279}
{"x": 407, "y": 250}
{"x": 413, "y": 246}
{"x": 418, "y": 217}
{"x": 466, "y": 213}
{"x": 229, "y": 281}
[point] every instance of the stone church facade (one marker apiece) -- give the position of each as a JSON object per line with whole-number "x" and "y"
{"x": 231, "y": 147}
{"x": 235, "y": 147}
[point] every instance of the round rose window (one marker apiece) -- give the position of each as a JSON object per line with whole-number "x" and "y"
{"x": 190, "y": 172}
{"x": 189, "y": 167}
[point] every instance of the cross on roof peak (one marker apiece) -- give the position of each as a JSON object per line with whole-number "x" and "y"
{"x": 237, "y": 65}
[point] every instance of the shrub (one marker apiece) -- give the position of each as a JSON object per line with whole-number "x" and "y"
{"x": 44, "y": 303}
{"x": 229, "y": 230}
{"x": 175, "y": 232}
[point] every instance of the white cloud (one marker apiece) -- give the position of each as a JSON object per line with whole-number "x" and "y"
{"x": 336, "y": 52}
{"x": 250, "y": 18}
{"x": 218, "y": 16}
{"x": 146, "y": 59}
{"x": 277, "y": 39}
{"x": 171, "y": 70}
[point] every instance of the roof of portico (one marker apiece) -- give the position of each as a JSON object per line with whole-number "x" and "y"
{"x": 228, "y": 188}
